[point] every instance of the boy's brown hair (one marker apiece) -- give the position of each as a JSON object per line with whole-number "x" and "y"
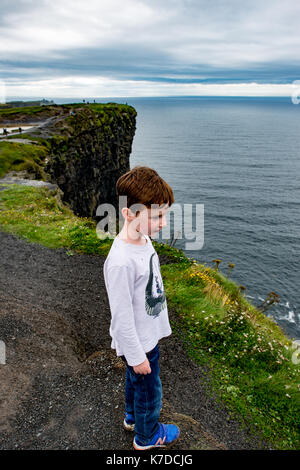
{"x": 143, "y": 185}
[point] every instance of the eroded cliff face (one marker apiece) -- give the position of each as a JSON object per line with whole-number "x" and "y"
{"x": 89, "y": 150}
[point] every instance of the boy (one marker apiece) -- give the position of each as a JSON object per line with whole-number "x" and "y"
{"x": 139, "y": 315}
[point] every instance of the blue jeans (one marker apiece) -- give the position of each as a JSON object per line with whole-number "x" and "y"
{"x": 143, "y": 396}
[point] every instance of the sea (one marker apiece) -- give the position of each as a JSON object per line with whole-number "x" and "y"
{"x": 235, "y": 163}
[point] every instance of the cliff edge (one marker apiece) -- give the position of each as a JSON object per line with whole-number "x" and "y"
{"x": 83, "y": 149}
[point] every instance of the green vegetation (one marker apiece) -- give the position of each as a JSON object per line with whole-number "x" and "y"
{"x": 13, "y": 113}
{"x": 18, "y": 157}
{"x": 37, "y": 215}
{"x": 249, "y": 356}
{"x": 106, "y": 116}
{"x": 250, "y": 359}
{"x": 39, "y": 140}
{"x": 8, "y": 114}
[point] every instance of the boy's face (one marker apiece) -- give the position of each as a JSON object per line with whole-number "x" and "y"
{"x": 152, "y": 220}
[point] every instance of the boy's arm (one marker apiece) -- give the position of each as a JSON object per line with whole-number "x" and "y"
{"x": 120, "y": 285}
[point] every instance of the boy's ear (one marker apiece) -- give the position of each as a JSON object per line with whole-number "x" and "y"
{"x": 126, "y": 212}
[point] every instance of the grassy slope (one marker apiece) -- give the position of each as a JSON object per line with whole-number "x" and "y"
{"x": 18, "y": 156}
{"x": 249, "y": 356}
{"x": 30, "y": 111}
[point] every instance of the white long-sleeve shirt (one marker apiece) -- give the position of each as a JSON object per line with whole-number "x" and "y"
{"x": 139, "y": 314}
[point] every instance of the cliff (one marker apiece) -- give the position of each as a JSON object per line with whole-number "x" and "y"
{"x": 84, "y": 149}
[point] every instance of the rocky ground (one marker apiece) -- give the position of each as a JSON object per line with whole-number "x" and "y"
{"x": 62, "y": 385}
{"x": 10, "y": 178}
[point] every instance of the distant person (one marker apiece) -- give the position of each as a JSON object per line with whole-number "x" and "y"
{"x": 139, "y": 314}
{"x": 20, "y": 130}
{"x": 5, "y": 132}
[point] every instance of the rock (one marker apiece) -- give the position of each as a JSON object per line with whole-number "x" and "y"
{"x": 27, "y": 182}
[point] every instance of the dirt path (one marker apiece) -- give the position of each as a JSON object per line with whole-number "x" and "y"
{"x": 20, "y": 141}
{"x": 62, "y": 386}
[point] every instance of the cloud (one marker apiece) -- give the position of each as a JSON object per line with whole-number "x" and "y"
{"x": 158, "y": 45}
{"x": 93, "y": 87}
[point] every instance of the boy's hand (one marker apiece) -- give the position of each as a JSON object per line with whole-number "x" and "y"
{"x": 143, "y": 368}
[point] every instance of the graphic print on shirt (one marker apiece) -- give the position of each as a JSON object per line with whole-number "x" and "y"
{"x": 154, "y": 304}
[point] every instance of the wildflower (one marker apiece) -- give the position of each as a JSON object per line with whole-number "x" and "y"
{"x": 217, "y": 261}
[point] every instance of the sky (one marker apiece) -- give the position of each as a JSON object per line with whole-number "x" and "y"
{"x": 108, "y": 48}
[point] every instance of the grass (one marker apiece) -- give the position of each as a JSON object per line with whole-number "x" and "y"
{"x": 34, "y": 111}
{"x": 250, "y": 357}
{"x": 251, "y": 361}
{"x": 37, "y": 215}
{"x": 17, "y": 156}
{"x": 8, "y": 113}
